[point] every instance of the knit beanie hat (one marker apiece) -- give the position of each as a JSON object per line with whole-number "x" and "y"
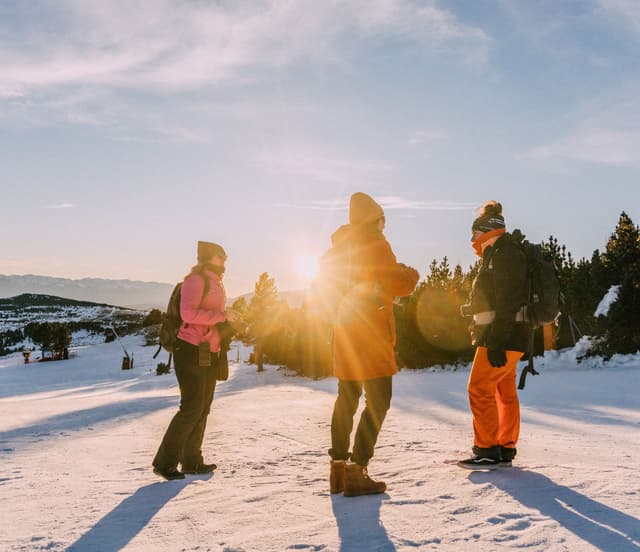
{"x": 490, "y": 219}
{"x": 207, "y": 250}
{"x": 363, "y": 209}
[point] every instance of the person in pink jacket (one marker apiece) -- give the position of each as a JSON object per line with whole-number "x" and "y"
{"x": 202, "y": 307}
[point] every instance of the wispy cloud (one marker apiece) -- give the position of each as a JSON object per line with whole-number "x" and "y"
{"x": 395, "y": 202}
{"x": 627, "y": 10}
{"x": 604, "y": 146}
{"x": 318, "y": 166}
{"x": 387, "y": 202}
{"x": 425, "y": 136}
{"x": 61, "y": 206}
{"x": 177, "y": 45}
{"x": 607, "y": 135}
{"x": 336, "y": 204}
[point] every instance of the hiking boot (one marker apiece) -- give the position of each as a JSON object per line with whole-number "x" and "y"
{"x": 168, "y": 473}
{"x": 199, "y": 469}
{"x": 357, "y": 482}
{"x": 507, "y": 455}
{"x": 482, "y": 459}
{"x": 336, "y": 476}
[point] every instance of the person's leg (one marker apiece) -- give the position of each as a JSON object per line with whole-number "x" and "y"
{"x": 342, "y": 419}
{"x": 192, "y": 390}
{"x": 508, "y": 408}
{"x": 192, "y": 452}
{"x": 341, "y": 425}
{"x": 482, "y": 387}
{"x": 378, "y": 399}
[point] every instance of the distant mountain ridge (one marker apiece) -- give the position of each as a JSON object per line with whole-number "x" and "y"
{"x": 134, "y": 294}
{"x": 123, "y": 293}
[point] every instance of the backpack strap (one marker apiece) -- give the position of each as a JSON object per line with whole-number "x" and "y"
{"x": 205, "y": 290}
{"x": 158, "y": 351}
{"x": 529, "y": 368}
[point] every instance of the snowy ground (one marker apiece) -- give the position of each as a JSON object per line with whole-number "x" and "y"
{"x": 77, "y": 438}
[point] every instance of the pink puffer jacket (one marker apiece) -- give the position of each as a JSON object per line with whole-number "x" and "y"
{"x": 201, "y": 314}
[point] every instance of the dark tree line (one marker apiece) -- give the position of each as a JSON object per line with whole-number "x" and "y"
{"x": 430, "y": 328}
{"x": 50, "y": 336}
{"x": 8, "y": 340}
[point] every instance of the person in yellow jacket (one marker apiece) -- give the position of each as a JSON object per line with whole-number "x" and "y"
{"x": 500, "y": 333}
{"x": 364, "y": 336}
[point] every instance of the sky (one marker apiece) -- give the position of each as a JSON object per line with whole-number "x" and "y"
{"x": 129, "y": 131}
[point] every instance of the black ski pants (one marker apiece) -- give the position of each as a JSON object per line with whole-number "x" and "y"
{"x": 182, "y": 442}
{"x": 377, "y": 401}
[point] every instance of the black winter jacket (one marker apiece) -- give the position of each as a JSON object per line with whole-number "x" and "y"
{"x": 500, "y": 287}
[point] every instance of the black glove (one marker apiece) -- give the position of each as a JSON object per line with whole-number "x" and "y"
{"x": 227, "y": 332}
{"x": 497, "y": 359}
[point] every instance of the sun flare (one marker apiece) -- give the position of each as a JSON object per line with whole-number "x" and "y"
{"x": 307, "y": 266}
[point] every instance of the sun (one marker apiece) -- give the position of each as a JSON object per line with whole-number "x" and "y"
{"x": 307, "y": 266}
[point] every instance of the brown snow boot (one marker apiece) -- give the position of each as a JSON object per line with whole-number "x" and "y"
{"x": 357, "y": 482}
{"x": 336, "y": 476}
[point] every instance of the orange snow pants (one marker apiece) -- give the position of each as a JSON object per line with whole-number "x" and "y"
{"x": 494, "y": 401}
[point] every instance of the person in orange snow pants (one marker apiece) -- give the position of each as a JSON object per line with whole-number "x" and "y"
{"x": 501, "y": 334}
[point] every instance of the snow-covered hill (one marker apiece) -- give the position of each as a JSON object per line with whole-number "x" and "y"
{"x": 77, "y": 438}
{"x": 89, "y": 322}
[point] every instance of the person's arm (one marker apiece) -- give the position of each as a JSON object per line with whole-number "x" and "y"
{"x": 395, "y": 278}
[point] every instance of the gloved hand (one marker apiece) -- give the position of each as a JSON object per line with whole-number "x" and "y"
{"x": 497, "y": 359}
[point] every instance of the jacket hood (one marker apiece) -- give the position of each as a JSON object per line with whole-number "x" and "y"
{"x": 363, "y": 209}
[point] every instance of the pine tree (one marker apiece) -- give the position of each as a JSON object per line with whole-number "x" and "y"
{"x": 260, "y": 316}
{"x": 50, "y": 336}
{"x": 240, "y": 326}
{"x": 619, "y": 330}
{"x": 439, "y": 274}
{"x": 621, "y": 259}
{"x": 154, "y": 317}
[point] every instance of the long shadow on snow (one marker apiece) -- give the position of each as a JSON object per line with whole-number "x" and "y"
{"x": 359, "y": 525}
{"x": 83, "y": 419}
{"x": 601, "y": 526}
{"x": 115, "y": 530}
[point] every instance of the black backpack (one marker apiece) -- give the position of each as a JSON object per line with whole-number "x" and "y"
{"x": 543, "y": 305}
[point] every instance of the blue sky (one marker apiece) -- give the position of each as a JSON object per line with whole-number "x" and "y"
{"x": 128, "y": 131}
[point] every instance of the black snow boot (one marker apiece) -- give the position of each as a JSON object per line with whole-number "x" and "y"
{"x": 482, "y": 459}
{"x": 507, "y": 455}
